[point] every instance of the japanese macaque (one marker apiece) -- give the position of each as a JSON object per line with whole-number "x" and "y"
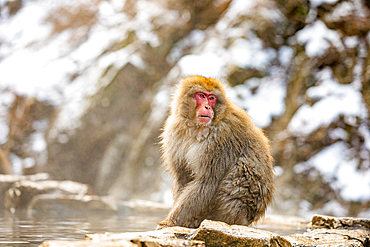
{"x": 220, "y": 161}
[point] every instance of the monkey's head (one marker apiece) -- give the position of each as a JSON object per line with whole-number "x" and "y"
{"x": 200, "y": 100}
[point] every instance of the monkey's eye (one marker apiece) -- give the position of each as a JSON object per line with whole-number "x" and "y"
{"x": 212, "y": 98}
{"x": 202, "y": 96}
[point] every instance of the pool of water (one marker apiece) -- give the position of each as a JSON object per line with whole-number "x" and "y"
{"x": 25, "y": 228}
{"x": 31, "y": 228}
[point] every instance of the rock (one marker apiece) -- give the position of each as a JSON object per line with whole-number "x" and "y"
{"x": 165, "y": 233}
{"x": 322, "y": 221}
{"x": 215, "y": 233}
{"x": 171, "y": 236}
{"x": 175, "y": 242}
{"x": 341, "y": 231}
{"x": 84, "y": 243}
{"x": 22, "y": 192}
{"x": 149, "y": 242}
{"x": 331, "y": 237}
{"x": 7, "y": 181}
{"x": 6, "y": 178}
{"x": 75, "y": 202}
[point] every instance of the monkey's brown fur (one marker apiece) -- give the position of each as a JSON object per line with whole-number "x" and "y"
{"x": 221, "y": 171}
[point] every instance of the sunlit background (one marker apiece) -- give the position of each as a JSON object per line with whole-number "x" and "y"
{"x": 85, "y": 87}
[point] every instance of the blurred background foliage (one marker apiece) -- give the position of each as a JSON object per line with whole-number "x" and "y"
{"x": 85, "y": 87}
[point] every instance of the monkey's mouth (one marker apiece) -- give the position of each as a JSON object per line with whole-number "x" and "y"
{"x": 204, "y": 119}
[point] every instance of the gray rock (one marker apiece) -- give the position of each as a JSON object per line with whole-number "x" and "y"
{"x": 149, "y": 242}
{"x": 74, "y": 202}
{"x": 6, "y": 178}
{"x": 171, "y": 236}
{"x": 22, "y": 192}
{"x": 323, "y": 221}
{"x": 336, "y": 231}
{"x": 215, "y": 233}
{"x": 165, "y": 233}
{"x": 7, "y": 181}
{"x": 83, "y": 243}
{"x": 331, "y": 237}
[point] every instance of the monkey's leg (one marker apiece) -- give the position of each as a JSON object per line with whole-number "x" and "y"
{"x": 241, "y": 198}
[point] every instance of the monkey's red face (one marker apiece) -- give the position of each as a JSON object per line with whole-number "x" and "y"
{"x": 205, "y": 103}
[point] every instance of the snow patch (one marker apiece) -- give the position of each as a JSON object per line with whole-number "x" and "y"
{"x": 194, "y": 39}
{"x": 317, "y": 38}
{"x": 250, "y": 53}
{"x": 344, "y": 8}
{"x": 263, "y": 104}
{"x": 278, "y": 171}
{"x": 341, "y": 172}
{"x": 19, "y": 31}
{"x": 334, "y": 99}
{"x": 351, "y": 41}
{"x": 285, "y": 55}
{"x": 316, "y": 3}
{"x": 207, "y": 64}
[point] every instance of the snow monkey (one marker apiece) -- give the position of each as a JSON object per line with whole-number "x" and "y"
{"x": 220, "y": 161}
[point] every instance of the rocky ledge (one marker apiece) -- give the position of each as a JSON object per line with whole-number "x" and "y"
{"x": 322, "y": 231}
{"x": 39, "y": 192}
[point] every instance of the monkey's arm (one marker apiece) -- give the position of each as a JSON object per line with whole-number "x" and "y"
{"x": 194, "y": 200}
{"x": 180, "y": 180}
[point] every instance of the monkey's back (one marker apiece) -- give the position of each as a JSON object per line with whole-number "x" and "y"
{"x": 248, "y": 185}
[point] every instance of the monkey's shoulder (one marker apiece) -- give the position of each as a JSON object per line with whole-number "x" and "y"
{"x": 241, "y": 123}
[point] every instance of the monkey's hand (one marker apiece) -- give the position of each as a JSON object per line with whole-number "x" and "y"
{"x": 164, "y": 224}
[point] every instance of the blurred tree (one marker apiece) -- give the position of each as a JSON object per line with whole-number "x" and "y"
{"x": 118, "y": 119}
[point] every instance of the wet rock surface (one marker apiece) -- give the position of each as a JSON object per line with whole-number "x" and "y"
{"x": 214, "y": 233}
